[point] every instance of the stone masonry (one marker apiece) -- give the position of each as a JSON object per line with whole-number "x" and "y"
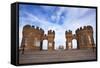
{"x": 33, "y": 38}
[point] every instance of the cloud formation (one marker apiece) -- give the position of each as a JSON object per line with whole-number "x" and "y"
{"x": 56, "y": 18}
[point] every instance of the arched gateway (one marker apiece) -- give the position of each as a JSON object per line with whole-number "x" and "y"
{"x": 33, "y": 38}
{"x": 84, "y": 37}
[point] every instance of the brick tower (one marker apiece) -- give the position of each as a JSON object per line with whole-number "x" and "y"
{"x": 32, "y": 38}
{"x": 69, "y": 37}
{"x": 85, "y": 37}
{"x": 50, "y": 38}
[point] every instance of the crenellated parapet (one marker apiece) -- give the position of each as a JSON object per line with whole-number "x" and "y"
{"x": 32, "y": 30}
{"x": 51, "y": 34}
{"x": 84, "y": 29}
{"x": 68, "y": 33}
{"x": 37, "y": 30}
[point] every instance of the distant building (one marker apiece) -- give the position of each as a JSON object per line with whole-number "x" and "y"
{"x": 61, "y": 47}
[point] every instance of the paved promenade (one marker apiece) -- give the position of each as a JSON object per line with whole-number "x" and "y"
{"x": 56, "y": 56}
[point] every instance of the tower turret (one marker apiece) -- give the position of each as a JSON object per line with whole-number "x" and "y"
{"x": 51, "y": 36}
{"x": 69, "y": 37}
{"x": 85, "y": 37}
{"x": 32, "y": 37}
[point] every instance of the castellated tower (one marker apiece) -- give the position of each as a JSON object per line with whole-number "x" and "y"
{"x": 69, "y": 37}
{"x": 32, "y": 38}
{"x": 85, "y": 37}
{"x": 50, "y": 38}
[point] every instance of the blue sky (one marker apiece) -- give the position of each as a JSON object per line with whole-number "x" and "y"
{"x": 56, "y": 18}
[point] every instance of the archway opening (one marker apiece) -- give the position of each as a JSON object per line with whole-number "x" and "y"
{"x": 45, "y": 45}
{"x": 74, "y": 44}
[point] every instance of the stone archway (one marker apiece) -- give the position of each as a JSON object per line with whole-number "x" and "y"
{"x": 45, "y": 45}
{"x": 74, "y": 44}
